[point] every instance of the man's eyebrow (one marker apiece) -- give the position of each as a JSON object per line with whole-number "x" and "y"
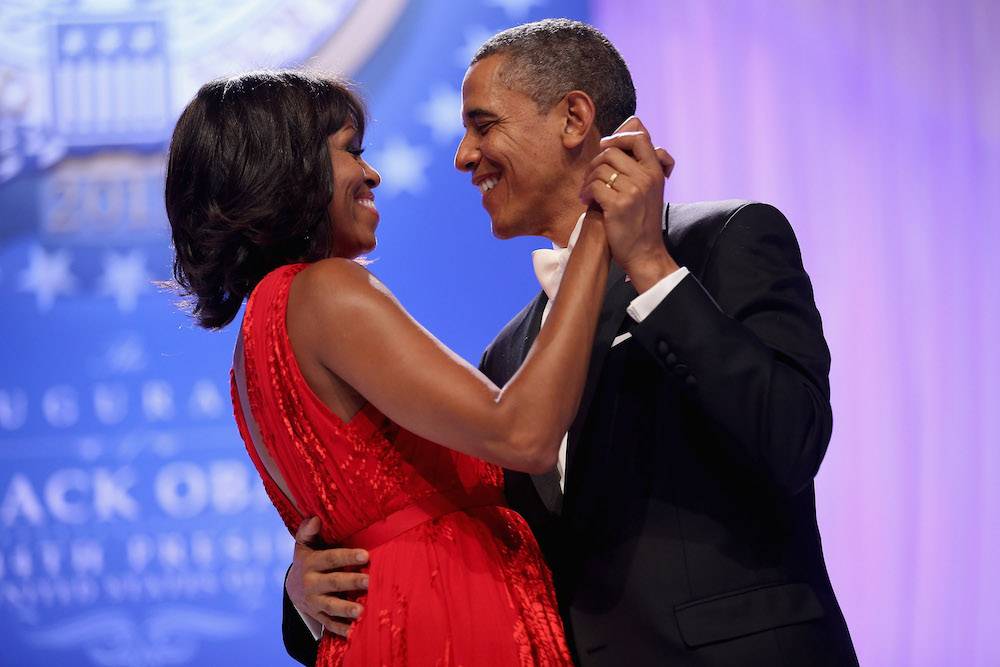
{"x": 478, "y": 114}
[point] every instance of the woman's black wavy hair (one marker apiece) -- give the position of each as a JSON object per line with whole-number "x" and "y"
{"x": 249, "y": 182}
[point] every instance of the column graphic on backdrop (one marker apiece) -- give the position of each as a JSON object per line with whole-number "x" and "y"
{"x": 109, "y": 82}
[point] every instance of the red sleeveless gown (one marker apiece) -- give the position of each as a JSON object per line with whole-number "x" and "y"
{"x": 455, "y": 578}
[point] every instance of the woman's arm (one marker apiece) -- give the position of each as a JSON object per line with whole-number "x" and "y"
{"x": 342, "y": 316}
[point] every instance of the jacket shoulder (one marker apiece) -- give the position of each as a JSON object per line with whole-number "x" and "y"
{"x": 692, "y": 228}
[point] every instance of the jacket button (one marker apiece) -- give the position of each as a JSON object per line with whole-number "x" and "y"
{"x": 671, "y": 359}
{"x": 691, "y": 382}
{"x": 663, "y": 348}
{"x": 680, "y": 369}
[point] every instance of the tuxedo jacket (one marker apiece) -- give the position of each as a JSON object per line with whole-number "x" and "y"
{"x": 687, "y": 531}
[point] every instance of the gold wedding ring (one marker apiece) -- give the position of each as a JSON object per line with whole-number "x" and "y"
{"x": 611, "y": 181}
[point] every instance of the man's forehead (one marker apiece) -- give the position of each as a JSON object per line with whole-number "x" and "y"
{"x": 482, "y": 76}
{"x": 483, "y": 92}
{"x": 477, "y": 101}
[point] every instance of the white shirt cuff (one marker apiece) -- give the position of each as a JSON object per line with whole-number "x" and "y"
{"x": 645, "y": 303}
{"x": 315, "y": 627}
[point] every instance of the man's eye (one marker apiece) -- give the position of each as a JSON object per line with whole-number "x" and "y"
{"x": 483, "y": 128}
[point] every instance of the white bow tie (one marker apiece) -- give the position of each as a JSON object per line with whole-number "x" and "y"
{"x": 549, "y": 268}
{"x": 551, "y": 264}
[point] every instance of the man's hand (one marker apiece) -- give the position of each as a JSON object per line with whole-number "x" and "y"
{"x": 626, "y": 181}
{"x": 314, "y": 577}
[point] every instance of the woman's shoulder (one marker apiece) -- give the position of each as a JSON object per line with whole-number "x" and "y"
{"x": 337, "y": 284}
{"x": 334, "y": 268}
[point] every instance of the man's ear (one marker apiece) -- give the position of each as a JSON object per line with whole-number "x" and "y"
{"x": 580, "y": 117}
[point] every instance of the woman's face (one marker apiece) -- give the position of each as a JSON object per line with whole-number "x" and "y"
{"x": 352, "y": 209}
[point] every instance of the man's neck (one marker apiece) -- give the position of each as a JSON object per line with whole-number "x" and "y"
{"x": 561, "y": 228}
{"x": 567, "y": 207}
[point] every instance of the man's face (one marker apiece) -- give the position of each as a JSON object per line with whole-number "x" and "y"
{"x": 514, "y": 152}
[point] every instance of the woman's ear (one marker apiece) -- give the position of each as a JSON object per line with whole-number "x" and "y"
{"x": 579, "y": 119}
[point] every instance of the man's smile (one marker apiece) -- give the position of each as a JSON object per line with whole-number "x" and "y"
{"x": 488, "y": 184}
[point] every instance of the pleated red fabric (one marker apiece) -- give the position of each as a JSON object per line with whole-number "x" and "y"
{"x": 455, "y": 577}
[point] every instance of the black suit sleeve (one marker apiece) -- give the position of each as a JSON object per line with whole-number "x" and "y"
{"x": 298, "y": 640}
{"x": 747, "y": 345}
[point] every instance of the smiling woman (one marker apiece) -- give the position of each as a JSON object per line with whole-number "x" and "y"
{"x": 352, "y": 205}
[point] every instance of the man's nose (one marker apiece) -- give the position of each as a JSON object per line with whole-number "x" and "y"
{"x": 467, "y": 155}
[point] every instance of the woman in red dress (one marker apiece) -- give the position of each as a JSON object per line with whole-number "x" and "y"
{"x": 350, "y": 410}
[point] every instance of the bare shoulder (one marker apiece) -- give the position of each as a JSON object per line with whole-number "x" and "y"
{"x": 338, "y": 283}
{"x": 333, "y": 272}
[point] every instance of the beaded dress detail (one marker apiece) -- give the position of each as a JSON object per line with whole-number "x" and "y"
{"x": 455, "y": 578}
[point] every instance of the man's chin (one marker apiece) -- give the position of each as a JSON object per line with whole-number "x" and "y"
{"x": 501, "y": 235}
{"x": 502, "y": 230}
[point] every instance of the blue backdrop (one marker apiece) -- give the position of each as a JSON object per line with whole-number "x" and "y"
{"x": 133, "y": 530}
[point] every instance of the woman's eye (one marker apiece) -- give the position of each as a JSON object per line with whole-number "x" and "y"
{"x": 356, "y": 152}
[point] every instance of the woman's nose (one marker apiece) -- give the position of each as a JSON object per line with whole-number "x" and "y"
{"x": 372, "y": 177}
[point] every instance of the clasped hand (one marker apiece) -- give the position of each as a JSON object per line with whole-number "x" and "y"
{"x": 626, "y": 182}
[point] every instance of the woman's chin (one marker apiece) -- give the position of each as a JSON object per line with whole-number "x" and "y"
{"x": 366, "y": 249}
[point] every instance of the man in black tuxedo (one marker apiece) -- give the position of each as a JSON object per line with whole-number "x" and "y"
{"x": 680, "y": 523}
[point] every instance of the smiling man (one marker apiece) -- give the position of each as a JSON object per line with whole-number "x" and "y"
{"x": 680, "y": 521}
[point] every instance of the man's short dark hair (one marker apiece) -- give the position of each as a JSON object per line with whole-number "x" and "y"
{"x": 550, "y": 58}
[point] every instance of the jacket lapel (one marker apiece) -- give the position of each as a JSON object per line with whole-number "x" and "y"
{"x": 546, "y": 484}
{"x": 527, "y": 332}
{"x": 618, "y": 295}
{"x": 616, "y": 299}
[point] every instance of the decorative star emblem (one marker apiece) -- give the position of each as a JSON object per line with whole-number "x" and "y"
{"x": 124, "y": 278}
{"x": 402, "y": 166}
{"x": 442, "y": 112}
{"x": 47, "y": 276}
{"x": 516, "y": 8}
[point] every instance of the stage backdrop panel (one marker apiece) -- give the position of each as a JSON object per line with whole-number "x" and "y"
{"x": 133, "y": 528}
{"x": 875, "y": 126}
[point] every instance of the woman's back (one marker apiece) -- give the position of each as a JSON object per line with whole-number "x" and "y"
{"x": 455, "y": 578}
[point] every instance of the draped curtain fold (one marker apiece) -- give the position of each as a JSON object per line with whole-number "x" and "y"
{"x": 875, "y": 127}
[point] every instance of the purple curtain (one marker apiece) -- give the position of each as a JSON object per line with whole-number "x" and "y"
{"x": 876, "y": 128}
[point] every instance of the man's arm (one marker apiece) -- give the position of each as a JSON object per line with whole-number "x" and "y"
{"x": 299, "y": 641}
{"x": 748, "y": 345}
